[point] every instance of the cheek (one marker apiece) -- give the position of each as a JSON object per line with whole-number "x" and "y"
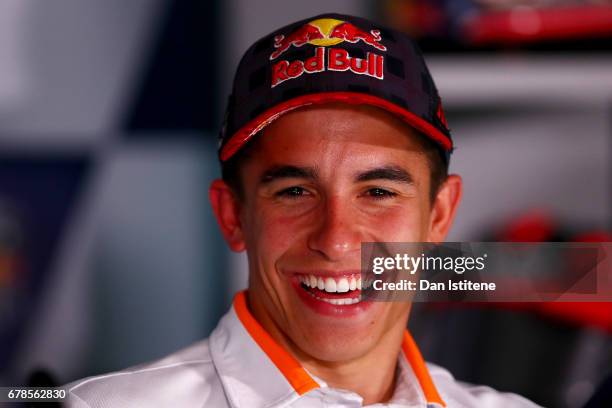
{"x": 407, "y": 223}
{"x": 270, "y": 234}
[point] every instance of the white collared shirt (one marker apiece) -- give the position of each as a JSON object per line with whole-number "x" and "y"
{"x": 240, "y": 366}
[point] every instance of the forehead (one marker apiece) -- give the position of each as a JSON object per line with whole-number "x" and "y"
{"x": 337, "y": 129}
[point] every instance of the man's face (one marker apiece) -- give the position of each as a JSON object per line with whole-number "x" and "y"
{"x": 321, "y": 181}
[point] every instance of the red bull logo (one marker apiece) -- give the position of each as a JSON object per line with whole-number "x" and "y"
{"x": 326, "y": 32}
{"x": 303, "y": 35}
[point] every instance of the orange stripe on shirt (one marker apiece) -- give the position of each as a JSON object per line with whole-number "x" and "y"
{"x": 414, "y": 357}
{"x": 291, "y": 369}
{"x": 297, "y": 376}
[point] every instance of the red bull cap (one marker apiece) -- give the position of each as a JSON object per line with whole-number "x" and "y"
{"x": 332, "y": 58}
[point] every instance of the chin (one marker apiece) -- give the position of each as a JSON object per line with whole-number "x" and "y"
{"x": 333, "y": 339}
{"x": 336, "y": 345}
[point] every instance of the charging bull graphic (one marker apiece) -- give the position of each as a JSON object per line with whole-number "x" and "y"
{"x": 326, "y": 32}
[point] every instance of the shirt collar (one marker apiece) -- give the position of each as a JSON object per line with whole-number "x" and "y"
{"x": 239, "y": 341}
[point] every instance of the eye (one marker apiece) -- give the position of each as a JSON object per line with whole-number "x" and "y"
{"x": 380, "y": 193}
{"x": 292, "y": 192}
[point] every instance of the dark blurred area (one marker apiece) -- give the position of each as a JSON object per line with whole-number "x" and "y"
{"x": 109, "y": 111}
{"x": 499, "y": 26}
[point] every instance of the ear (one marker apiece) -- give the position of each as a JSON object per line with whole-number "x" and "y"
{"x": 226, "y": 207}
{"x": 444, "y": 208}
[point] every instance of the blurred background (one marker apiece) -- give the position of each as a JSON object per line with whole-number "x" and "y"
{"x": 109, "y": 111}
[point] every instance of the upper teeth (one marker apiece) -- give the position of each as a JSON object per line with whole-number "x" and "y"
{"x": 332, "y": 285}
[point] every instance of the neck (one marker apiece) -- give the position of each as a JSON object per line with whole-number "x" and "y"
{"x": 371, "y": 375}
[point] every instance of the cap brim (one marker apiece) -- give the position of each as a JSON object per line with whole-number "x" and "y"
{"x": 244, "y": 134}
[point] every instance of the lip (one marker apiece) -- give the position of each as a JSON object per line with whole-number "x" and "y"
{"x": 326, "y": 308}
{"x": 328, "y": 273}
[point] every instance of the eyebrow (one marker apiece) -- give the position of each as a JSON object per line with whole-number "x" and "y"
{"x": 284, "y": 172}
{"x": 391, "y": 173}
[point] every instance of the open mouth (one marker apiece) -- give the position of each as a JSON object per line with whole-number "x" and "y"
{"x": 339, "y": 291}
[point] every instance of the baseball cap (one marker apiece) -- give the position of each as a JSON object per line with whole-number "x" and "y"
{"x": 332, "y": 58}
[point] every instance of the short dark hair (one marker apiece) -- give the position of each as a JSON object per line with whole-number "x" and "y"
{"x": 438, "y": 166}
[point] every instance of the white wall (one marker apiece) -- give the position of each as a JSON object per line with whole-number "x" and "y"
{"x": 68, "y": 67}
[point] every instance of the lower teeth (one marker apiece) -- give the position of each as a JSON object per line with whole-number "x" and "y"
{"x": 338, "y": 302}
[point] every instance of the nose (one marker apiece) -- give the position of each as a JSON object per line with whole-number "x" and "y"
{"x": 336, "y": 233}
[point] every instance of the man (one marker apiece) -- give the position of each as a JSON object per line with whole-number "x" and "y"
{"x": 334, "y": 136}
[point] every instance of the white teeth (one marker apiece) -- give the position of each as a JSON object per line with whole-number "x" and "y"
{"x": 330, "y": 285}
{"x": 339, "y": 302}
{"x": 343, "y": 285}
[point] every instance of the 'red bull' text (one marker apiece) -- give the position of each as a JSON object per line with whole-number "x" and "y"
{"x": 335, "y": 59}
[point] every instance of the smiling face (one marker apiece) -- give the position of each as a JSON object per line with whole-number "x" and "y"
{"x": 318, "y": 183}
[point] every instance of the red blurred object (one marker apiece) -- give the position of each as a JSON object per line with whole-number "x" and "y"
{"x": 533, "y": 226}
{"x": 526, "y": 24}
{"x": 594, "y": 236}
{"x": 429, "y": 18}
{"x": 538, "y": 226}
{"x": 595, "y": 314}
